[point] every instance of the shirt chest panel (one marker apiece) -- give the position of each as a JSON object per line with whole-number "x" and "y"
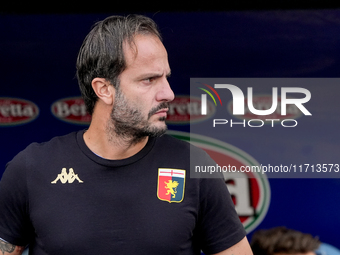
{"x": 111, "y": 208}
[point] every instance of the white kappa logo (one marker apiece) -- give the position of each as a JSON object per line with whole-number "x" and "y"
{"x": 69, "y": 177}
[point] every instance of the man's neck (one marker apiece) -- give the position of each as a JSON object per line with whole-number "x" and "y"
{"x": 110, "y": 146}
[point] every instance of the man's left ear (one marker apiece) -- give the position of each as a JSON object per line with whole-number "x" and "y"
{"x": 104, "y": 90}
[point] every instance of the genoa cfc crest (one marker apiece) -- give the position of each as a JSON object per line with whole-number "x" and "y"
{"x": 171, "y": 184}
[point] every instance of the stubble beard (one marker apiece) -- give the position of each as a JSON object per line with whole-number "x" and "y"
{"x": 128, "y": 124}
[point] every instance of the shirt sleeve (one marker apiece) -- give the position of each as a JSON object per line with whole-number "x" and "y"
{"x": 219, "y": 225}
{"x": 14, "y": 217}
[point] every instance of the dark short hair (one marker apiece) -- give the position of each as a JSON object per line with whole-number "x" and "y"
{"x": 101, "y": 54}
{"x": 282, "y": 240}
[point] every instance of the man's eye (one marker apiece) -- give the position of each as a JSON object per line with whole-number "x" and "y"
{"x": 149, "y": 80}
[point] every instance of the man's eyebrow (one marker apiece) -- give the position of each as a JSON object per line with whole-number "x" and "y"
{"x": 152, "y": 75}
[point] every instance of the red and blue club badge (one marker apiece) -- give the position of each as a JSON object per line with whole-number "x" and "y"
{"x": 171, "y": 183}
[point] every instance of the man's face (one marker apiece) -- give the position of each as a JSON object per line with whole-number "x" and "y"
{"x": 142, "y": 97}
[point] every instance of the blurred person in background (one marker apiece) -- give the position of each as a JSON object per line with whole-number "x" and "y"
{"x": 284, "y": 241}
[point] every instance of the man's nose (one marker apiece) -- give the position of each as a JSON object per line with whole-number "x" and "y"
{"x": 165, "y": 93}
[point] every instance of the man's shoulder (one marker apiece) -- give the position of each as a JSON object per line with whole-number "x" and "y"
{"x": 40, "y": 154}
{"x": 48, "y": 147}
{"x": 62, "y": 140}
{"x": 168, "y": 139}
{"x": 181, "y": 145}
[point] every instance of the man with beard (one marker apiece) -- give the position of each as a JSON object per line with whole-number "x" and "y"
{"x": 120, "y": 187}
